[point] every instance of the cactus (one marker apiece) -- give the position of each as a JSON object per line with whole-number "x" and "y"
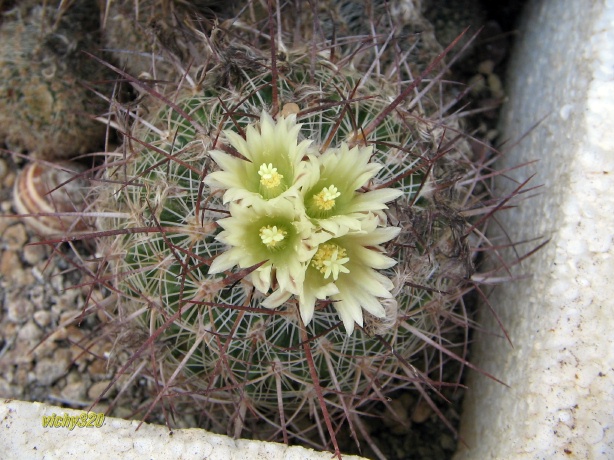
{"x": 45, "y": 108}
{"x": 286, "y": 232}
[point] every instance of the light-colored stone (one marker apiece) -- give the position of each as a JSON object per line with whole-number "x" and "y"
{"x": 74, "y": 392}
{"x": 33, "y": 254}
{"x": 96, "y": 390}
{"x": 30, "y": 333}
{"x": 100, "y": 367}
{"x": 14, "y": 237}
{"x": 49, "y": 370}
{"x": 42, "y": 318}
{"x": 18, "y": 308}
{"x": 22, "y": 435}
{"x": 11, "y": 269}
{"x": 560, "y": 371}
{"x": 36, "y": 294}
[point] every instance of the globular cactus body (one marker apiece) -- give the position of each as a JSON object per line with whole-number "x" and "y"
{"x": 275, "y": 336}
{"x": 45, "y": 107}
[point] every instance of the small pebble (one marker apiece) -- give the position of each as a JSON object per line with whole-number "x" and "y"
{"x": 496, "y": 86}
{"x": 396, "y": 417}
{"x": 15, "y": 237}
{"x": 8, "y": 263}
{"x": 12, "y": 271}
{"x": 34, "y": 254}
{"x": 69, "y": 316}
{"x": 45, "y": 349}
{"x": 422, "y": 412}
{"x": 486, "y": 67}
{"x": 98, "y": 368}
{"x": 21, "y": 354}
{"x": 42, "y": 318}
{"x": 73, "y": 392}
{"x": 37, "y": 296}
{"x": 96, "y": 390}
{"x": 49, "y": 370}
{"x": 7, "y": 207}
{"x": 30, "y": 332}
{"x": 74, "y": 334}
{"x": 67, "y": 302}
{"x": 23, "y": 376}
{"x": 19, "y": 309}
{"x": 58, "y": 335}
{"x": 8, "y": 330}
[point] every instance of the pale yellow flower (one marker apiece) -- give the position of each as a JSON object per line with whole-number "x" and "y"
{"x": 277, "y": 235}
{"x": 343, "y": 270}
{"x": 271, "y": 166}
{"x": 330, "y": 189}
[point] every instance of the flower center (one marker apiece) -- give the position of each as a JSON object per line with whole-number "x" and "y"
{"x": 330, "y": 259}
{"x": 270, "y": 236}
{"x": 269, "y": 177}
{"x": 325, "y": 200}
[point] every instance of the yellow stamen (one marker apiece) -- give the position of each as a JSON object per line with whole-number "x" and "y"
{"x": 270, "y": 236}
{"x": 269, "y": 176}
{"x": 330, "y": 259}
{"x": 325, "y": 200}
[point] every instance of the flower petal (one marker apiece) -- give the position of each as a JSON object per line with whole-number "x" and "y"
{"x": 223, "y": 262}
{"x": 261, "y": 278}
{"x": 240, "y": 144}
{"x": 349, "y": 310}
{"x": 276, "y": 299}
{"x": 373, "y": 200}
{"x": 307, "y": 299}
{"x": 373, "y": 258}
